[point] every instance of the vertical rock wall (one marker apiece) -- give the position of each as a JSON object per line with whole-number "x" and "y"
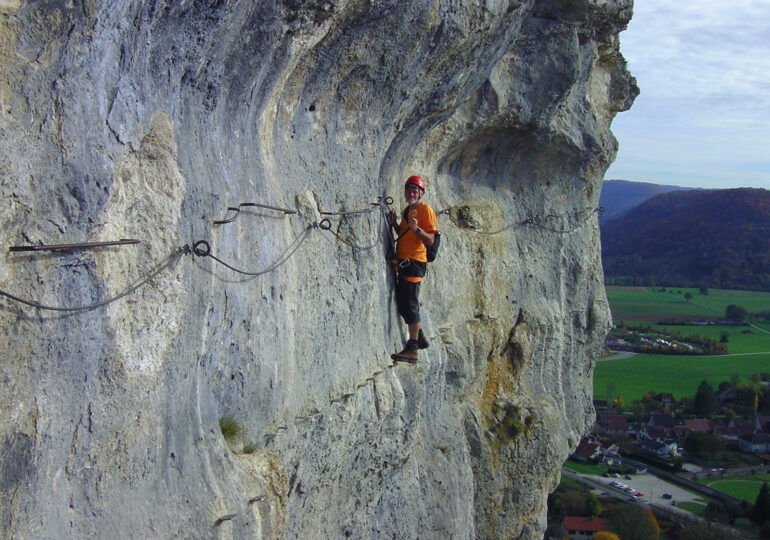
{"x": 148, "y": 120}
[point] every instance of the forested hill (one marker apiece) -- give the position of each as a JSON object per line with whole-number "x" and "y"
{"x": 719, "y": 238}
{"x": 620, "y": 196}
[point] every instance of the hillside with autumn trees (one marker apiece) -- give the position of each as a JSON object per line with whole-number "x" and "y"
{"x": 711, "y": 238}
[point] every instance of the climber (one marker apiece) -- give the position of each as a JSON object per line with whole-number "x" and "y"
{"x": 416, "y": 230}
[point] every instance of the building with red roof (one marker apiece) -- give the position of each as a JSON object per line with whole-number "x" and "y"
{"x": 583, "y": 528}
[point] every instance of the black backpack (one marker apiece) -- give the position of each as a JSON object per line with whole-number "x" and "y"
{"x": 433, "y": 248}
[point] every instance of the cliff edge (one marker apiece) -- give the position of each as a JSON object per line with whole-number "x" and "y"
{"x": 233, "y": 379}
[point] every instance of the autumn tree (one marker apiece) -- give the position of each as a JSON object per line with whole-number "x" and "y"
{"x": 633, "y": 523}
{"x": 606, "y": 535}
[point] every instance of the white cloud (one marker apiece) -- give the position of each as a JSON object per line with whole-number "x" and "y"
{"x": 703, "y": 67}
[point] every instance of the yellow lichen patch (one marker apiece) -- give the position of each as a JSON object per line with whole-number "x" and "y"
{"x": 269, "y": 485}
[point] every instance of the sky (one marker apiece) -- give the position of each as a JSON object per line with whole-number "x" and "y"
{"x": 702, "y": 118}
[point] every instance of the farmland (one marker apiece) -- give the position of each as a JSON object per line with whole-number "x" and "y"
{"x": 748, "y": 347}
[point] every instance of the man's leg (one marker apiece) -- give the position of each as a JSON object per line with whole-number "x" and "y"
{"x": 414, "y": 330}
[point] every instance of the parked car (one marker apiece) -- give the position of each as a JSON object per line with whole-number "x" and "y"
{"x": 639, "y": 494}
{"x": 627, "y": 477}
{"x": 666, "y": 496}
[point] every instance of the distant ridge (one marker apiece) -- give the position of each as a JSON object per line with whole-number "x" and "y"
{"x": 620, "y": 196}
{"x": 719, "y": 238}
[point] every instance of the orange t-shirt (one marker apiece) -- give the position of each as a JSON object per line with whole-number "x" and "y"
{"x": 409, "y": 246}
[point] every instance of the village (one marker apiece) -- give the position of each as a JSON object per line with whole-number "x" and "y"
{"x": 673, "y": 454}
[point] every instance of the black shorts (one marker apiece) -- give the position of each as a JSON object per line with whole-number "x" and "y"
{"x": 408, "y": 293}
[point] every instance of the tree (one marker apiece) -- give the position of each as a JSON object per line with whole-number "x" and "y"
{"x": 724, "y": 337}
{"x": 573, "y": 502}
{"x": 705, "y": 400}
{"x": 688, "y": 296}
{"x": 606, "y": 535}
{"x": 702, "y": 445}
{"x": 593, "y": 506}
{"x": 633, "y": 523}
{"x": 761, "y": 511}
{"x": 735, "y": 313}
{"x": 620, "y": 403}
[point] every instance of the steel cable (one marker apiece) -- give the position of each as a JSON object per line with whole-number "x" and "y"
{"x": 201, "y": 248}
{"x": 173, "y": 258}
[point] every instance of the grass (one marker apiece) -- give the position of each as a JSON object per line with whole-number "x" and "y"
{"x": 680, "y": 375}
{"x": 693, "y": 507}
{"x": 230, "y": 428}
{"x": 641, "y": 304}
{"x": 569, "y": 483}
{"x": 740, "y": 487}
{"x": 585, "y": 468}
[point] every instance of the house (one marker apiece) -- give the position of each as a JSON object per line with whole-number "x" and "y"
{"x": 583, "y": 528}
{"x": 660, "y": 448}
{"x": 612, "y": 424}
{"x": 702, "y": 425}
{"x": 665, "y": 421}
{"x": 757, "y": 443}
{"x": 741, "y": 426}
{"x": 732, "y": 432}
{"x": 587, "y": 450}
{"x": 654, "y": 433}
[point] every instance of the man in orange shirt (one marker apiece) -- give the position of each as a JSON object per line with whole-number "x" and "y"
{"x": 416, "y": 230}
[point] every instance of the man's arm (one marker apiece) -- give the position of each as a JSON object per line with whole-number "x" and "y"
{"x": 425, "y": 237}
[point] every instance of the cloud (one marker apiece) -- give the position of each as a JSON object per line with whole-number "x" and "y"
{"x": 704, "y": 72}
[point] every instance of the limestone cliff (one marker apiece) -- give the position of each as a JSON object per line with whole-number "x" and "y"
{"x": 124, "y": 119}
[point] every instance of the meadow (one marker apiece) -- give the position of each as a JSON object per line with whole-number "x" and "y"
{"x": 748, "y": 347}
{"x": 743, "y": 487}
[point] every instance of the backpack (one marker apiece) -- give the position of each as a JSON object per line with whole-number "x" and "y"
{"x": 433, "y": 248}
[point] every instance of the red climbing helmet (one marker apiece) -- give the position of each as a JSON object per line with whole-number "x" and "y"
{"x": 417, "y": 181}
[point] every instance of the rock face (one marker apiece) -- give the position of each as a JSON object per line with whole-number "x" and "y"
{"x": 147, "y": 120}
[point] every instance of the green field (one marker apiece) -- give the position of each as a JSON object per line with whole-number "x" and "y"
{"x": 641, "y": 304}
{"x": 740, "y": 487}
{"x": 585, "y": 468}
{"x": 679, "y": 375}
{"x": 748, "y": 347}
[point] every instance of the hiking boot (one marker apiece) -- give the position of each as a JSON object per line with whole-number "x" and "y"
{"x": 422, "y": 341}
{"x": 409, "y": 354}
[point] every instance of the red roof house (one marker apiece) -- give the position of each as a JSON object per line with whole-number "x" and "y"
{"x": 581, "y": 528}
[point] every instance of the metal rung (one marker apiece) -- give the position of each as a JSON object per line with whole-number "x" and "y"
{"x": 85, "y": 245}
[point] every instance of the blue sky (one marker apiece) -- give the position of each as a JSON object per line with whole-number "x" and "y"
{"x": 703, "y": 116}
